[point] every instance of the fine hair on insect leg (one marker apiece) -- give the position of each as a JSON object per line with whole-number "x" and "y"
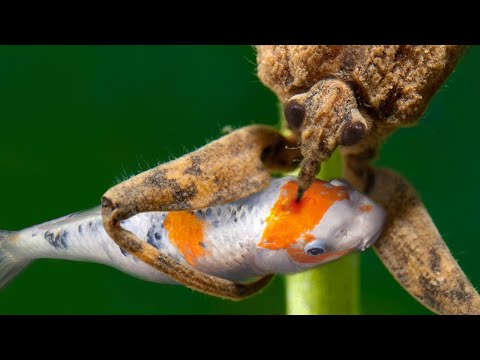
{"x": 235, "y": 166}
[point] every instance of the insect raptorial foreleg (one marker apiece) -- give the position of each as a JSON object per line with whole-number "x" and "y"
{"x": 232, "y": 167}
{"x": 414, "y": 252}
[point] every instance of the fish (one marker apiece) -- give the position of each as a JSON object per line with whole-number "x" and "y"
{"x": 267, "y": 232}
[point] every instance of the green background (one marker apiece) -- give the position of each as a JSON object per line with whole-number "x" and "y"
{"x": 76, "y": 119}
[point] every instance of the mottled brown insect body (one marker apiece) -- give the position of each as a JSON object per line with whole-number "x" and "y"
{"x": 397, "y": 82}
{"x": 377, "y": 87}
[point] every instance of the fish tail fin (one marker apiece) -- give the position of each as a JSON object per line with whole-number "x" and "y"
{"x": 10, "y": 265}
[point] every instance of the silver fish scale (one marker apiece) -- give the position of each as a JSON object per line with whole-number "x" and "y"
{"x": 231, "y": 234}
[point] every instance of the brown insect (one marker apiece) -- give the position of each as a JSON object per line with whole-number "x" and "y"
{"x": 353, "y": 96}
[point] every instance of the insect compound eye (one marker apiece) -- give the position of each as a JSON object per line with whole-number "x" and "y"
{"x": 314, "y": 248}
{"x": 352, "y": 134}
{"x": 294, "y": 113}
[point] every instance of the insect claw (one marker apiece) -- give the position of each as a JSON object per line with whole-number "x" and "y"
{"x": 293, "y": 147}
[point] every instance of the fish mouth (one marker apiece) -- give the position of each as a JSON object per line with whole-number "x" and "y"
{"x": 372, "y": 240}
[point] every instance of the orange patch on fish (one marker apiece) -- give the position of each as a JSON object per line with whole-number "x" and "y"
{"x": 289, "y": 220}
{"x": 185, "y": 232}
{"x": 366, "y": 208}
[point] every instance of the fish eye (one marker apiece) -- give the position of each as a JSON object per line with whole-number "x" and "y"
{"x": 295, "y": 114}
{"x": 314, "y": 248}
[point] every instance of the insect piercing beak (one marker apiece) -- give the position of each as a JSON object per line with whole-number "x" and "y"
{"x": 309, "y": 168}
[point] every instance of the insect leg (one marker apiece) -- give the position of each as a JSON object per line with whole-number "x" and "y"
{"x": 414, "y": 252}
{"x": 230, "y": 168}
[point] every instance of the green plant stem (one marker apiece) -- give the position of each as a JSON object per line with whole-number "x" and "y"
{"x": 332, "y": 288}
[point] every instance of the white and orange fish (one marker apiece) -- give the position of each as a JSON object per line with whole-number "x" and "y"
{"x": 268, "y": 232}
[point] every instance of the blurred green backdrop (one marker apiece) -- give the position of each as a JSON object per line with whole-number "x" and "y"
{"x": 75, "y": 119}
